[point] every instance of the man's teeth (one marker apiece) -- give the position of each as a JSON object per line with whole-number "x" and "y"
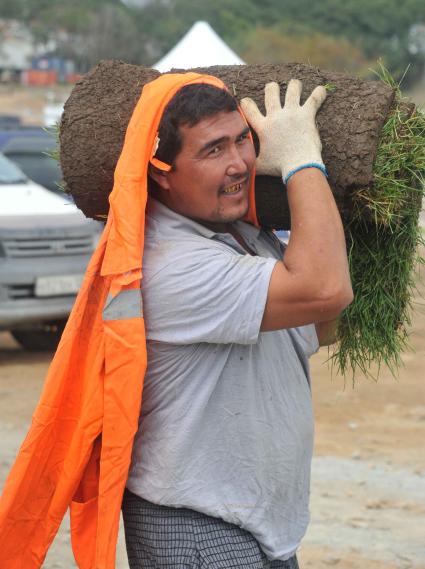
{"x": 233, "y": 189}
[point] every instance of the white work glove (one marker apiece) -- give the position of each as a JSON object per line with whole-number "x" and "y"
{"x": 289, "y": 139}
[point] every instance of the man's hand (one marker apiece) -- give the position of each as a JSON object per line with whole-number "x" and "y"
{"x": 288, "y": 136}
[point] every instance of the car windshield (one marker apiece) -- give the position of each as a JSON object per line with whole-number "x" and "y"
{"x": 39, "y": 167}
{"x": 10, "y": 173}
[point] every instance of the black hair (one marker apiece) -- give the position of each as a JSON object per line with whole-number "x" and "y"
{"x": 189, "y": 106}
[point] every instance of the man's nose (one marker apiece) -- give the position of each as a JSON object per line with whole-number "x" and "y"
{"x": 236, "y": 164}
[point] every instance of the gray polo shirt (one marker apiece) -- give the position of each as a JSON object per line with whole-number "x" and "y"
{"x": 226, "y": 426}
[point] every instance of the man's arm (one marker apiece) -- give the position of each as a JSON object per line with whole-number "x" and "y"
{"x": 311, "y": 284}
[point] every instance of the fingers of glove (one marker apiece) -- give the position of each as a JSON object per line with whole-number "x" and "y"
{"x": 272, "y": 97}
{"x": 293, "y": 94}
{"x": 314, "y": 102}
{"x": 252, "y": 113}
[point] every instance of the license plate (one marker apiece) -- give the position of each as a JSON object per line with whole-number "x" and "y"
{"x": 58, "y": 285}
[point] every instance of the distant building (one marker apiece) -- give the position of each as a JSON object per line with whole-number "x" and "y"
{"x": 18, "y": 47}
{"x": 48, "y": 69}
{"x": 25, "y": 60}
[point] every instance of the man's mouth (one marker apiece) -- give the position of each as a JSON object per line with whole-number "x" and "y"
{"x": 233, "y": 189}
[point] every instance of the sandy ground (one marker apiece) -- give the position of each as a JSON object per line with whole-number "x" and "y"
{"x": 368, "y": 478}
{"x": 28, "y": 103}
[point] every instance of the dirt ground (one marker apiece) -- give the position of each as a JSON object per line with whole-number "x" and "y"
{"x": 28, "y": 103}
{"x": 368, "y": 476}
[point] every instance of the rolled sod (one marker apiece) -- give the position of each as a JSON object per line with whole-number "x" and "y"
{"x": 100, "y": 106}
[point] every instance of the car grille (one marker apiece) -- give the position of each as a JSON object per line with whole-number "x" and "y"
{"x": 44, "y": 247}
{"x": 16, "y": 292}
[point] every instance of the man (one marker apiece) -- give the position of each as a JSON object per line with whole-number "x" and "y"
{"x": 220, "y": 467}
{"x": 221, "y": 462}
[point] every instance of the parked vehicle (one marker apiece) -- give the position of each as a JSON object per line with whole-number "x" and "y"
{"x": 45, "y": 245}
{"x": 31, "y": 149}
{"x": 283, "y": 235}
{"x": 18, "y": 131}
{"x": 9, "y": 121}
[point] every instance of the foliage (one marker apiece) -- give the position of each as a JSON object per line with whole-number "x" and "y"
{"x": 323, "y": 51}
{"x": 379, "y": 28}
{"x": 383, "y": 240}
{"x": 86, "y": 30}
{"x": 313, "y": 31}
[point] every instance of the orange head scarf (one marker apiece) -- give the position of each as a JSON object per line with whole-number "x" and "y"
{"x": 128, "y": 198}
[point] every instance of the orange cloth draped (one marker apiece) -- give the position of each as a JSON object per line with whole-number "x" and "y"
{"x": 78, "y": 449}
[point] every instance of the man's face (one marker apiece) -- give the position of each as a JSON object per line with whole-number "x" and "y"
{"x": 211, "y": 174}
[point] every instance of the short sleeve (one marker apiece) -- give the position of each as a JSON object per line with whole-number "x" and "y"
{"x": 207, "y": 294}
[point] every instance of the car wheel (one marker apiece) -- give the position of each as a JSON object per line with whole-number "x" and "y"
{"x": 45, "y": 338}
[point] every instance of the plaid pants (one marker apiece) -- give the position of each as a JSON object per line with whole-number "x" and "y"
{"x": 159, "y": 537}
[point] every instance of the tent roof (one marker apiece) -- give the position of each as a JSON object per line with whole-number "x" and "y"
{"x": 200, "y": 47}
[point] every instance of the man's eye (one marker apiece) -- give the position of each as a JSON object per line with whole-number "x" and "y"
{"x": 214, "y": 150}
{"x": 243, "y": 137}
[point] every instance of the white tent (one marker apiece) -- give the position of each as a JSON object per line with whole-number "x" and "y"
{"x": 200, "y": 47}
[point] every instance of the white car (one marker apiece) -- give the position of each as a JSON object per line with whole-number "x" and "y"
{"x": 45, "y": 245}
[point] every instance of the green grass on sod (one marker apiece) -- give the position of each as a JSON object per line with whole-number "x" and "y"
{"x": 383, "y": 239}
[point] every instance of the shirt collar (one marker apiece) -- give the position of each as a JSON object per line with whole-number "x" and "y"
{"x": 173, "y": 220}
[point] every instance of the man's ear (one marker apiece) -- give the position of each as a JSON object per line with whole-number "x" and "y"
{"x": 159, "y": 176}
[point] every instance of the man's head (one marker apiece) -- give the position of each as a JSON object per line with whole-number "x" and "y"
{"x": 206, "y": 141}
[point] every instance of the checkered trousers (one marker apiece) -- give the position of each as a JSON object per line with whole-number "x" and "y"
{"x": 159, "y": 537}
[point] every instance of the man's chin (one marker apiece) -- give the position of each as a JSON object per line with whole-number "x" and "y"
{"x": 242, "y": 215}
{"x": 238, "y": 213}
{"x": 223, "y": 216}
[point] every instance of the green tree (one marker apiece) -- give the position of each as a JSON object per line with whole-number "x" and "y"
{"x": 376, "y": 28}
{"x": 327, "y": 52}
{"x": 371, "y": 29}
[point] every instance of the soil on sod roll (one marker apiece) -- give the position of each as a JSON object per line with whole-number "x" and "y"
{"x": 97, "y": 113}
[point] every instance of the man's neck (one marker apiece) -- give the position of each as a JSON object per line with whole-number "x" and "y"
{"x": 228, "y": 228}
{"x": 215, "y": 227}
